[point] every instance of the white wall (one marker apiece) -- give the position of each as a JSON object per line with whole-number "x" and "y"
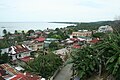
{"x": 25, "y": 54}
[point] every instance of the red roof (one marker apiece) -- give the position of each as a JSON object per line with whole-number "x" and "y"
{"x": 94, "y": 41}
{"x": 40, "y": 39}
{"x": 8, "y": 68}
{"x": 26, "y": 77}
{"x": 76, "y": 46}
{"x": 20, "y": 48}
{"x": 26, "y": 59}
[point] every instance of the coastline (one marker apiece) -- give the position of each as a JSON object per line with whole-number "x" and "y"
{"x": 12, "y": 26}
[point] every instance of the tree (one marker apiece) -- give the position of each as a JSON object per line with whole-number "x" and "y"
{"x": 23, "y": 32}
{"x": 16, "y": 32}
{"x": 50, "y": 34}
{"x": 30, "y": 32}
{"x": 56, "y": 36}
{"x": 54, "y": 45}
{"x": 44, "y": 65}
{"x": 4, "y": 44}
{"x": 4, "y": 58}
{"x": 99, "y": 35}
{"x": 23, "y": 36}
{"x": 85, "y": 62}
{"x": 9, "y": 33}
{"x": 101, "y": 57}
{"x": 4, "y": 31}
{"x": 57, "y": 29}
{"x": 113, "y": 55}
{"x": 116, "y": 24}
{"x": 0, "y": 51}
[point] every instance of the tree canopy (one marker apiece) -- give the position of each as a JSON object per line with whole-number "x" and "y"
{"x": 99, "y": 58}
{"x": 4, "y": 58}
{"x": 44, "y": 65}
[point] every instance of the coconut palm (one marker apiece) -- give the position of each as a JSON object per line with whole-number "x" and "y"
{"x": 4, "y": 31}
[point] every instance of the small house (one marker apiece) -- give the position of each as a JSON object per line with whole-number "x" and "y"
{"x": 19, "y": 52}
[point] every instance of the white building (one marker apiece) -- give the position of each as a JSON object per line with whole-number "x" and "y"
{"x": 105, "y": 29}
{"x": 19, "y": 52}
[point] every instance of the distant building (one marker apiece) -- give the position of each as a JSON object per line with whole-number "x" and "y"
{"x": 105, "y": 29}
{"x": 81, "y": 33}
{"x": 35, "y": 44}
{"x": 38, "y": 43}
{"x": 49, "y": 40}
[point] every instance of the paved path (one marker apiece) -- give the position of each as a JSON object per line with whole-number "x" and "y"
{"x": 65, "y": 73}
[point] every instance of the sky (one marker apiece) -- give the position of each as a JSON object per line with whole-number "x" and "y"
{"x": 58, "y": 10}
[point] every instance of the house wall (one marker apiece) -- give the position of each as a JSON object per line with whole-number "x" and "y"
{"x": 36, "y": 46}
{"x": 20, "y": 55}
{"x": 81, "y": 33}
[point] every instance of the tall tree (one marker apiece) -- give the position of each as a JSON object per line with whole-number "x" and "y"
{"x": 16, "y": 32}
{"x": 4, "y": 31}
{"x": 31, "y": 32}
{"x": 4, "y": 58}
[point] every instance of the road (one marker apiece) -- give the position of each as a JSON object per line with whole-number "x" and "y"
{"x": 65, "y": 73}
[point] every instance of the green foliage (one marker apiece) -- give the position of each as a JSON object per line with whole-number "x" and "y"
{"x": 116, "y": 26}
{"x": 85, "y": 61}
{"x": 30, "y": 32}
{"x": 4, "y": 31}
{"x": 16, "y": 32}
{"x": 4, "y": 58}
{"x": 4, "y": 44}
{"x": 95, "y": 25}
{"x": 60, "y": 34}
{"x": 54, "y": 45}
{"x": 105, "y": 54}
{"x": 56, "y": 36}
{"x": 113, "y": 60}
{"x": 44, "y": 65}
{"x": 99, "y": 35}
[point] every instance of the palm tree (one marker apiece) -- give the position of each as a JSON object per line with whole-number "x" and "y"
{"x": 16, "y": 32}
{"x": 23, "y": 32}
{"x": 4, "y": 32}
{"x": 30, "y": 32}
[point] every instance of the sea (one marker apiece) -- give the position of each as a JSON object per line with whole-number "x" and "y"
{"x": 19, "y": 26}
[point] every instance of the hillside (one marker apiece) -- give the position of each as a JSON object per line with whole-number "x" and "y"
{"x": 92, "y": 25}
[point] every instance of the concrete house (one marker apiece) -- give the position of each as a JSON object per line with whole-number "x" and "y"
{"x": 105, "y": 29}
{"x": 19, "y": 52}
